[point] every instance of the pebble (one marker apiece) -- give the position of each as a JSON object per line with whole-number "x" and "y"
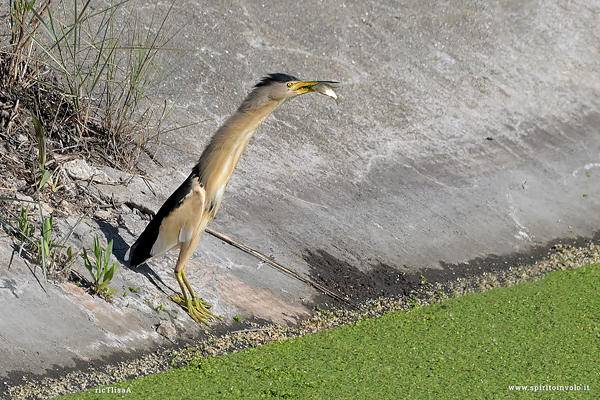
{"x": 167, "y": 329}
{"x": 82, "y": 171}
{"x": 103, "y": 215}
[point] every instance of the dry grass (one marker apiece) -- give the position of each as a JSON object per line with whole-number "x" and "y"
{"x": 84, "y": 75}
{"x": 73, "y": 78}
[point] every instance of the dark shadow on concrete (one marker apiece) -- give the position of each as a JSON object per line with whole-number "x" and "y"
{"x": 120, "y": 248}
{"x": 32, "y": 265}
{"x": 347, "y": 280}
{"x": 388, "y": 281}
{"x": 153, "y": 277}
{"x": 112, "y": 233}
{"x": 494, "y": 263}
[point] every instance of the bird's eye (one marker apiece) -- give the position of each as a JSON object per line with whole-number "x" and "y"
{"x": 290, "y": 84}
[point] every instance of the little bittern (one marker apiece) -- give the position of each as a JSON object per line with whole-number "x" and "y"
{"x": 184, "y": 216}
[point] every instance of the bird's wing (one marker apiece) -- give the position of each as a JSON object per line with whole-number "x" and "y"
{"x": 181, "y": 223}
{"x": 176, "y": 222}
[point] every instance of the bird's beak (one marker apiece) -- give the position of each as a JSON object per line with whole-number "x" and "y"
{"x": 322, "y": 87}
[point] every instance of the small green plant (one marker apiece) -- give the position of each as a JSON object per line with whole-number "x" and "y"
{"x": 422, "y": 280}
{"x": 50, "y": 252}
{"x": 45, "y": 243}
{"x": 25, "y": 226}
{"x": 24, "y": 229}
{"x": 159, "y": 308}
{"x": 237, "y": 318}
{"x": 133, "y": 289}
{"x": 413, "y": 304}
{"x": 47, "y": 176}
{"x": 99, "y": 268}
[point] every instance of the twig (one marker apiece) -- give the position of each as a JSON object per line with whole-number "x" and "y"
{"x": 12, "y": 256}
{"x": 35, "y": 276}
{"x": 260, "y": 256}
{"x": 273, "y": 263}
{"x": 147, "y": 183}
{"x": 12, "y": 117}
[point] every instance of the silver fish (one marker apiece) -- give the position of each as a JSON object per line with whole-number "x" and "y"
{"x": 325, "y": 88}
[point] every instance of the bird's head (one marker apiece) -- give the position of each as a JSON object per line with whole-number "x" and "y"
{"x": 279, "y": 88}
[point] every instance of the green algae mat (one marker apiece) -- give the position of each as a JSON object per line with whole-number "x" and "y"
{"x": 537, "y": 340}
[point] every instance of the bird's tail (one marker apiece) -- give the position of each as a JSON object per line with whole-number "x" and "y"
{"x": 127, "y": 255}
{"x": 132, "y": 257}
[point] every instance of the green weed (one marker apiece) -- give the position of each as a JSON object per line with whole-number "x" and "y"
{"x": 99, "y": 268}
{"x": 53, "y": 254}
{"x": 43, "y": 246}
{"x": 46, "y": 176}
{"x": 25, "y": 226}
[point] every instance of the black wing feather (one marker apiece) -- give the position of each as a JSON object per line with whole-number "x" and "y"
{"x": 140, "y": 250}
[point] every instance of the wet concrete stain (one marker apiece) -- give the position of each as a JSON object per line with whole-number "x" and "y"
{"x": 351, "y": 282}
{"x": 381, "y": 280}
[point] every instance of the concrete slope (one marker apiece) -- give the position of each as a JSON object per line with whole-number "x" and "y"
{"x": 465, "y": 129}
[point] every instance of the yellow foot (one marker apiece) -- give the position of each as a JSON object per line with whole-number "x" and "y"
{"x": 197, "y": 308}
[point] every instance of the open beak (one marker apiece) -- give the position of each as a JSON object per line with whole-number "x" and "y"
{"x": 322, "y": 87}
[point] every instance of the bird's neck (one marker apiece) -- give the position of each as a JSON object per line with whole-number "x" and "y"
{"x": 224, "y": 150}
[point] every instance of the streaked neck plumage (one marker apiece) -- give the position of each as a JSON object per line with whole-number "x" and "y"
{"x": 220, "y": 157}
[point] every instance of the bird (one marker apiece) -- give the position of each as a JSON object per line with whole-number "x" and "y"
{"x": 180, "y": 221}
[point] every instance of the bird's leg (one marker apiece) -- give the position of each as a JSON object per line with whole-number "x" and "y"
{"x": 184, "y": 300}
{"x": 198, "y": 302}
{"x": 197, "y": 308}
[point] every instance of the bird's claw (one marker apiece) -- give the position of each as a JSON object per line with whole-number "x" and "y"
{"x": 197, "y": 308}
